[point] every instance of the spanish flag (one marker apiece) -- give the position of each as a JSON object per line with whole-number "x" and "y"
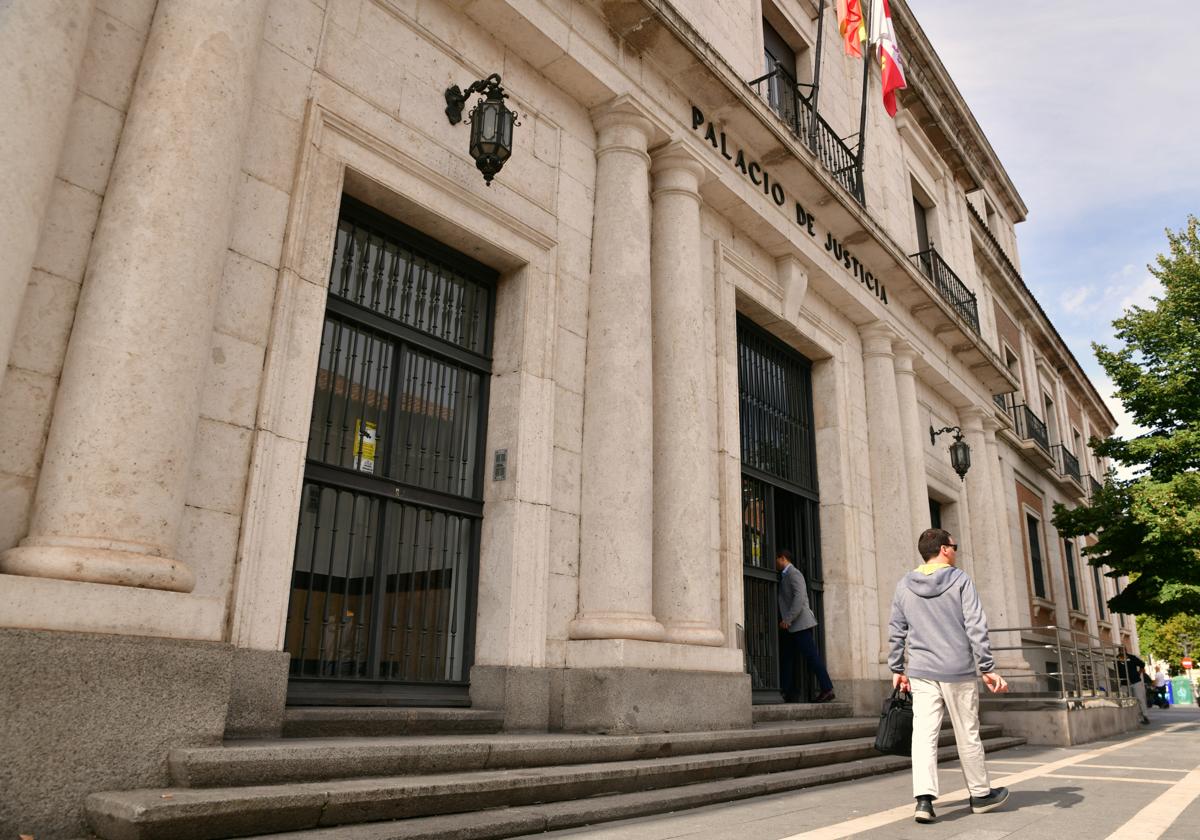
{"x": 890, "y": 64}
{"x": 851, "y": 25}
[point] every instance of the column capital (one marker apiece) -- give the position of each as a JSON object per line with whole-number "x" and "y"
{"x": 625, "y": 122}
{"x": 905, "y": 355}
{"x": 877, "y": 338}
{"x": 972, "y": 418}
{"x": 677, "y": 167}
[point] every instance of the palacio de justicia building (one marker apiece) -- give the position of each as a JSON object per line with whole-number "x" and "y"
{"x": 454, "y": 367}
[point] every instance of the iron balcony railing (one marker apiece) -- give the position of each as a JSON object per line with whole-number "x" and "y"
{"x": 1065, "y": 462}
{"x": 783, "y": 93}
{"x": 949, "y": 286}
{"x": 1094, "y": 486}
{"x": 1076, "y": 664}
{"x": 1030, "y": 427}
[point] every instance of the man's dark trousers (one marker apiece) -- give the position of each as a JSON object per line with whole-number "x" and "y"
{"x": 792, "y": 646}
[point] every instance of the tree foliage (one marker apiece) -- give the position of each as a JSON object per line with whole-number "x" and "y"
{"x": 1169, "y": 640}
{"x": 1148, "y": 526}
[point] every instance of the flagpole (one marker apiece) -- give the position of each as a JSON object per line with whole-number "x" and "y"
{"x": 816, "y": 86}
{"x": 862, "y": 118}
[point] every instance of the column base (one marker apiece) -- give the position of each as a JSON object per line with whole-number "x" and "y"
{"x": 693, "y": 633}
{"x": 617, "y": 626}
{"x": 257, "y": 693}
{"x": 97, "y": 564}
{"x": 631, "y": 700}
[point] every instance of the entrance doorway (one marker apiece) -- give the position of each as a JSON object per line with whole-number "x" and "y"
{"x": 780, "y": 504}
{"x": 384, "y": 577}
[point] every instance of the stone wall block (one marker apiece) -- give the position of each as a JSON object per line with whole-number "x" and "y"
{"x": 208, "y": 542}
{"x": 568, "y": 419}
{"x": 93, "y": 130}
{"x": 259, "y": 220}
{"x": 567, "y": 468}
{"x": 219, "y": 466}
{"x": 246, "y": 299}
{"x": 232, "y": 382}
{"x": 45, "y": 324}
{"x": 272, "y": 147}
{"x": 569, "y": 354}
{"x": 110, "y": 63}
{"x": 292, "y": 356}
{"x": 282, "y": 82}
{"x": 26, "y": 399}
{"x": 67, "y": 231}
{"x": 16, "y": 504}
{"x": 564, "y": 543}
{"x": 295, "y": 27}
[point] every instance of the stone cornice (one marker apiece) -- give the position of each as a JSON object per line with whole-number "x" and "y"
{"x": 946, "y": 117}
{"x": 1050, "y": 339}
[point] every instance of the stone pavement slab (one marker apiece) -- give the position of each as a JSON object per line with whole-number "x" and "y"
{"x": 1090, "y": 790}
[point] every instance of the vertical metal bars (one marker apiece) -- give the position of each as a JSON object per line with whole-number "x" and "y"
{"x": 387, "y": 540}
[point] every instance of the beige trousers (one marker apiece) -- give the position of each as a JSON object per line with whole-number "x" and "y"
{"x": 931, "y": 699}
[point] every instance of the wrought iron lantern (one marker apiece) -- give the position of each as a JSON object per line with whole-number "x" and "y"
{"x": 960, "y": 452}
{"x": 491, "y": 123}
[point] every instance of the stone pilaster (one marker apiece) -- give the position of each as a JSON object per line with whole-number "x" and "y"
{"x": 687, "y": 573}
{"x": 989, "y": 564}
{"x": 895, "y": 543}
{"x": 42, "y": 42}
{"x": 111, "y": 492}
{"x": 616, "y": 540}
{"x": 913, "y": 436}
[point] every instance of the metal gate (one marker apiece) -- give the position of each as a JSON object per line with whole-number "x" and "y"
{"x": 384, "y": 576}
{"x": 779, "y": 496}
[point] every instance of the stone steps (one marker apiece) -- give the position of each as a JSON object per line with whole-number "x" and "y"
{"x": 185, "y": 813}
{"x": 240, "y": 763}
{"x": 370, "y": 721}
{"x": 497, "y": 823}
{"x": 801, "y": 711}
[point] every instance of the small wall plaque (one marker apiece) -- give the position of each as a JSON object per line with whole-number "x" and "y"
{"x": 500, "y": 467}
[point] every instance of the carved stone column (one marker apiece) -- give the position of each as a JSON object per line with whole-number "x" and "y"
{"x": 687, "y": 574}
{"x": 989, "y": 564}
{"x": 616, "y": 540}
{"x": 895, "y": 543}
{"x": 111, "y": 492}
{"x": 42, "y": 42}
{"x": 913, "y": 434}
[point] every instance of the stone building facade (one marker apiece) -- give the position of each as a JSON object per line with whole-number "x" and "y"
{"x": 295, "y": 409}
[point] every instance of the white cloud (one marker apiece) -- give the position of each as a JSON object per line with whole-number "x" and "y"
{"x": 1073, "y": 299}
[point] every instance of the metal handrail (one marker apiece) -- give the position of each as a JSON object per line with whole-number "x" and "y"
{"x": 1030, "y": 427}
{"x": 952, "y": 290}
{"x": 1094, "y": 666}
{"x": 783, "y": 93}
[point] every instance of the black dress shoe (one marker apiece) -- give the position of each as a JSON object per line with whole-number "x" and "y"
{"x": 995, "y": 798}
{"x": 924, "y": 811}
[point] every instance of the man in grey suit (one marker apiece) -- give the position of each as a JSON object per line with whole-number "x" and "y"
{"x": 797, "y": 621}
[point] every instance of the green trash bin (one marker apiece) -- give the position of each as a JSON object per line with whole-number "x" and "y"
{"x": 1182, "y": 690}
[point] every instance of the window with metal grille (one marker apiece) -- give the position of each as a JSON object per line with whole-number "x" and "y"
{"x": 1033, "y": 529}
{"x": 387, "y": 541}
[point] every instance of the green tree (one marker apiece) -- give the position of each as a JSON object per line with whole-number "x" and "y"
{"x": 1169, "y": 640}
{"x": 1148, "y": 526}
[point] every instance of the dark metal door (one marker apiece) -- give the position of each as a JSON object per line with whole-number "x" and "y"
{"x": 383, "y": 586}
{"x": 779, "y": 496}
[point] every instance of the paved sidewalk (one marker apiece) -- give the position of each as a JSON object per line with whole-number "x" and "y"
{"x": 1144, "y": 786}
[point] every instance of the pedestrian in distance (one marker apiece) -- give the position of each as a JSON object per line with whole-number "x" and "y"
{"x": 937, "y": 615}
{"x": 1134, "y": 669}
{"x": 1160, "y": 688}
{"x": 798, "y": 639}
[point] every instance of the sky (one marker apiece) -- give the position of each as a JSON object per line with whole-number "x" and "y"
{"x": 1092, "y": 109}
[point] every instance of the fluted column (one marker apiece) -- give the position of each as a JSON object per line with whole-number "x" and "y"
{"x": 42, "y": 42}
{"x": 616, "y": 540}
{"x": 111, "y": 492}
{"x": 687, "y": 575}
{"x": 913, "y": 435}
{"x": 895, "y": 542}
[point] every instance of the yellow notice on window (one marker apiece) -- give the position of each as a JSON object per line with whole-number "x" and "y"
{"x": 364, "y": 446}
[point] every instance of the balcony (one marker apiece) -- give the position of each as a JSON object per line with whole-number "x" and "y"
{"x": 1093, "y": 486}
{"x": 783, "y": 94}
{"x": 1030, "y": 435}
{"x": 1066, "y": 466}
{"x": 952, "y": 290}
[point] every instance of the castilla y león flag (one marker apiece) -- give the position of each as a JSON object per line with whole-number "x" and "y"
{"x": 851, "y": 25}
{"x": 890, "y": 63}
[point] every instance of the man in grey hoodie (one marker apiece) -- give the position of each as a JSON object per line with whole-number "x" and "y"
{"x": 937, "y": 611}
